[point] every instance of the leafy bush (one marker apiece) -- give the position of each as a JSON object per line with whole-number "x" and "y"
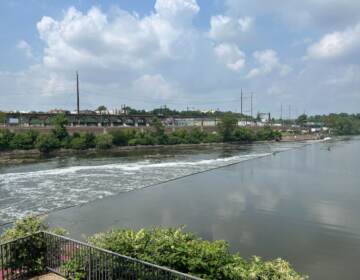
{"x": 47, "y": 142}
{"x": 29, "y": 255}
{"x": 82, "y": 141}
{"x": 244, "y": 134}
{"x": 24, "y": 141}
{"x": 213, "y": 138}
{"x": 267, "y": 134}
{"x": 188, "y": 253}
{"x": 121, "y": 137}
{"x": 103, "y": 141}
{"x": 5, "y": 139}
{"x": 196, "y": 136}
{"x": 181, "y": 135}
{"x": 23, "y": 227}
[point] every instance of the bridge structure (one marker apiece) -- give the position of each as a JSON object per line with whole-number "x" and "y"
{"x": 104, "y": 120}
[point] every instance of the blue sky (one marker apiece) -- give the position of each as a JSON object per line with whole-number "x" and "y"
{"x": 196, "y": 53}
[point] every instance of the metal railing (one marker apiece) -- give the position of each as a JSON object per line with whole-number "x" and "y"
{"x": 22, "y": 258}
{"x": 43, "y": 252}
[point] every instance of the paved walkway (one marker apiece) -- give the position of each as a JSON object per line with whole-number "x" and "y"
{"x": 49, "y": 276}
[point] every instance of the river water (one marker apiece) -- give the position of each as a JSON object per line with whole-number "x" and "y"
{"x": 298, "y": 201}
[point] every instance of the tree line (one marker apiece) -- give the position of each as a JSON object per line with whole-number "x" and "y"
{"x": 340, "y": 124}
{"x": 227, "y": 131}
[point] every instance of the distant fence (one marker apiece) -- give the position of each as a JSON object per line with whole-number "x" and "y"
{"x": 43, "y": 252}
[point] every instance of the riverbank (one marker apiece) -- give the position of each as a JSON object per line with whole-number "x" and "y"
{"x": 17, "y": 157}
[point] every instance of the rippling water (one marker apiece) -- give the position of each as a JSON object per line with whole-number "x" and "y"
{"x": 301, "y": 205}
{"x": 59, "y": 183}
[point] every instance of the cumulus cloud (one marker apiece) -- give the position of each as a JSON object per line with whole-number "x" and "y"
{"x": 231, "y": 56}
{"x": 336, "y": 44}
{"x": 267, "y": 61}
{"x": 315, "y": 13}
{"x": 155, "y": 86}
{"x": 25, "y": 48}
{"x": 164, "y": 55}
{"x": 225, "y": 28}
{"x": 177, "y": 10}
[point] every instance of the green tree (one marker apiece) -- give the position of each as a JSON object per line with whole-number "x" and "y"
{"x": 60, "y": 132}
{"x": 101, "y": 109}
{"x": 103, "y": 141}
{"x": 159, "y": 132}
{"x": 301, "y": 120}
{"x": 227, "y": 126}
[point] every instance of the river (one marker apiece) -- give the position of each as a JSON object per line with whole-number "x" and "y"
{"x": 298, "y": 201}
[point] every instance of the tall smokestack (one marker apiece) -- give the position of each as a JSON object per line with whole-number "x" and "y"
{"x": 77, "y": 92}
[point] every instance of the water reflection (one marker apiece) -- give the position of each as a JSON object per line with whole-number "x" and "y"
{"x": 301, "y": 205}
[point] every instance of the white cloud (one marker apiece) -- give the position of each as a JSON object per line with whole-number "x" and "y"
{"x": 225, "y": 28}
{"x": 97, "y": 41}
{"x": 25, "y": 48}
{"x": 336, "y": 44}
{"x": 155, "y": 86}
{"x": 320, "y": 14}
{"x": 231, "y": 56}
{"x": 140, "y": 60}
{"x": 267, "y": 61}
{"x": 177, "y": 10}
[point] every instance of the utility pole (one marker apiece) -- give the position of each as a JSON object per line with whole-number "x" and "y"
{"x": 281, "y": 112}
{"x": 289, "y": 112}
{"x": 78, "y": 93}
{"x": 251, "y": 104}
{"x": 241, "y": 101}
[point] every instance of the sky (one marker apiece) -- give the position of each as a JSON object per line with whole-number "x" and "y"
{"x": 303, "y": 56}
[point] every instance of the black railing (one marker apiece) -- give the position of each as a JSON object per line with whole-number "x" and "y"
{"x": 43, "y": 252}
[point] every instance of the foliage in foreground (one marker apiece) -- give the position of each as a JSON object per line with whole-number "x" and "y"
{"x": 188, "y": 253}
{"x": 28, "y": 226}
{"x": 172, "y": 248}
{"x": 29, "y": 254}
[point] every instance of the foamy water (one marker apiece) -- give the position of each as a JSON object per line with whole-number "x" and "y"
{"x": 42, "y": 188}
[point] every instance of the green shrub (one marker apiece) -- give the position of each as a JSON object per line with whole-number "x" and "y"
{"x": 174, "y": 140}
{"x": 188, "y": 253}
{"x": 82, "y": 141}
{"x": 267, "y": 134}
{"x": 213, "y": 138}
{"x": 103, "y": 141}
{"x": 196, "y": 136}
{"x": 181, "y": 135}
{"x": 121, "y": 137}
{"x": 244, "y": 134}
{"x": 47, "y": 142}
{"x": 23, "y": 227}
{"x": 5, "y": 139}
{"x": 28, "y": 255}
{"x": 24, "y": 140}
